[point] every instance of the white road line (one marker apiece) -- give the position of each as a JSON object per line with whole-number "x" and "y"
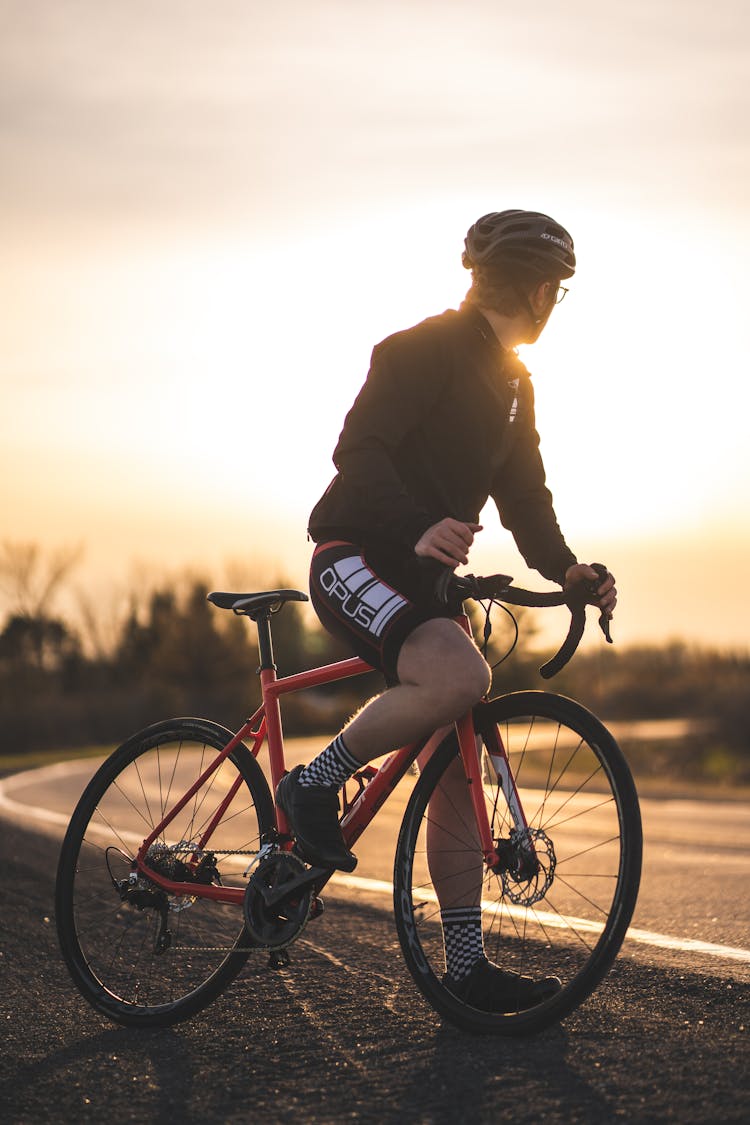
{"x": 555, "y": 921}
{"x": 689, "y": 945}
{"x": 18, "y": 809}
{"x": 382, "y": 887}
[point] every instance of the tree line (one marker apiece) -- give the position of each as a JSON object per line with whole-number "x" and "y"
{"x": 172, "y": 653}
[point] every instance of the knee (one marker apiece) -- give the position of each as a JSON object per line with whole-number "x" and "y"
{"x": 472, "y": 684}
{"x": 446, "y": 666}
{"x": 459, "y": 685}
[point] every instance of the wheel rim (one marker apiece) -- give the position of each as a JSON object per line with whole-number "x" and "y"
{"x": 566, "y": 921}
{"x": 152, "y": 950}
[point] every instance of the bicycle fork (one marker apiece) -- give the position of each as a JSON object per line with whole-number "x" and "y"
{"x": 469, "y": 742}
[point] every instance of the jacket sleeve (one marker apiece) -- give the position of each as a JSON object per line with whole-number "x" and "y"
{"x": 525, "y": 503}
{"x": 404, "y": 380}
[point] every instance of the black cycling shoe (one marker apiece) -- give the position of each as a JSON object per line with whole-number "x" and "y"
{"x": 491, "y": 989}
{"x": 313, "y": 813}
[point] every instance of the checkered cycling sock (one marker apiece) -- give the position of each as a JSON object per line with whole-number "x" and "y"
{"x": 332, "y": 767}
{"x": 462, "y": 934}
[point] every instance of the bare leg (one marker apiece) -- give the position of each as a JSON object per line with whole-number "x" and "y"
{"x": 441, "y": 674}
{"x": 454, "y": 851}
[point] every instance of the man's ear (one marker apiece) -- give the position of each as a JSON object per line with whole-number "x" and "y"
{"x": 539, "y": 296}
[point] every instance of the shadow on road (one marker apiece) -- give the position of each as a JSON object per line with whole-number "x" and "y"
{"x": 213, "y": 1073}
{"x": 343, "y": 1035}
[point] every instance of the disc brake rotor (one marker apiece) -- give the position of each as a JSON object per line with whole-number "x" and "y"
{"x": 527, "y": 879}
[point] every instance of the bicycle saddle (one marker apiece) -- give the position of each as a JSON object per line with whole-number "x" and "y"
{"x": 264, "y": 600}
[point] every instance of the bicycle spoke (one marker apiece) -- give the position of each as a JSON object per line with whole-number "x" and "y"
{"x": 137, "y": 952}
{"x": 565, "y": 886}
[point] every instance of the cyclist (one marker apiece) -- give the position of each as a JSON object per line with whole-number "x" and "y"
{"x": 444, "y": 420}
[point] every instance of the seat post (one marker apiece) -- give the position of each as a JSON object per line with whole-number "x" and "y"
{"x": 265, "y": 644}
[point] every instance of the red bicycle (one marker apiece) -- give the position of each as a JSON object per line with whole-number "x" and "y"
{"x": 177, "y": 867}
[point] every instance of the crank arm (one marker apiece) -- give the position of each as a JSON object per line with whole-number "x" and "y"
{"x": 273, "y": 896}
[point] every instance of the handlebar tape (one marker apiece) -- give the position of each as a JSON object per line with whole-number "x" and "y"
{"x": 569, "y": 645}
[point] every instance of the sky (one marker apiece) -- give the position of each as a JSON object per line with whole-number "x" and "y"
{"x": 210, "y": 213}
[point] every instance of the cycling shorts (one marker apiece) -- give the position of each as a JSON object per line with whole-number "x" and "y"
{"x": 371, "y": 601}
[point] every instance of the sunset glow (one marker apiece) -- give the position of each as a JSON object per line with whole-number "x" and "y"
{"x": 206, "y": 231}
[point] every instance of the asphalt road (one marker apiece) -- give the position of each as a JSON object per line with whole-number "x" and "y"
{"x": 342, "y": 1035}
{"x": 696, "y": 869}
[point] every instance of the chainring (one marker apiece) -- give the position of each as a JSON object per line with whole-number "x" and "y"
{"x": 274, "y": 926}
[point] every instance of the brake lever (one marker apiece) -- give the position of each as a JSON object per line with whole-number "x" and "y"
{"x": 442, "y": 584}
{"x": 592, "y": 588}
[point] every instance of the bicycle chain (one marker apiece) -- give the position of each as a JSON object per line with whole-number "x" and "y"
{"x": 232, "y": 948}
{"x": 234, "y": 851}
{"x": 177, "y": 851}
{"x": 218, "y": 948}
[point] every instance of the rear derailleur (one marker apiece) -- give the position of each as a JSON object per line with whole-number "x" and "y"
{"x": 140, "y": 892}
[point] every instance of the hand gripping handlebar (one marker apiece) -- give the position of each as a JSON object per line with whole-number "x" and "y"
{"x": 499, "y": 587}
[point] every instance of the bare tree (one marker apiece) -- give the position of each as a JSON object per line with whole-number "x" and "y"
{"x": 31, "y": 578}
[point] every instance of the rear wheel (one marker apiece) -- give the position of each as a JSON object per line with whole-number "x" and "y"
{"x": 559, "y": 907}
{"x": 137, "y": 954}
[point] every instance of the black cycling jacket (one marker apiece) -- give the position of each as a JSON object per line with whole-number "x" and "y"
{"x": 437, "y": 428}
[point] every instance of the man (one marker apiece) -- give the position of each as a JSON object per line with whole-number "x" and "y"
{"x": 444, "y": 420}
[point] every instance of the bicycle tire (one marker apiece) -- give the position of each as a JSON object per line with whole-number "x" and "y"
{"x": 576, "y": 787}
{"x": 108, "y": 944}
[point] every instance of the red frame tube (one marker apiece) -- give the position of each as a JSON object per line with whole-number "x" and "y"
{"x": 363, "y": 808}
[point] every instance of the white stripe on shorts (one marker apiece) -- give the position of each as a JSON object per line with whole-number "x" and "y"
{"x": 365, "y": 598}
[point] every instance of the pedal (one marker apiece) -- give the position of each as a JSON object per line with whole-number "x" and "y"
{"x": 278, "y": 959}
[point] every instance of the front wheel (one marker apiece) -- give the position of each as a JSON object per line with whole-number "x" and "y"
{"x": 558, "y": 908}
{"x": 137, "y": 954}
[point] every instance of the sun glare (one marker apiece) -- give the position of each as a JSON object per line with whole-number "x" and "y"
{"x": 205, "y": 386}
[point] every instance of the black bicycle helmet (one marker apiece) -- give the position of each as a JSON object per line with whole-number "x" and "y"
{"x": 524, "y": 245}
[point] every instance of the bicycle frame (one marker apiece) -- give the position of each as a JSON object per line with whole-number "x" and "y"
{"x": 265, "y": 725}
